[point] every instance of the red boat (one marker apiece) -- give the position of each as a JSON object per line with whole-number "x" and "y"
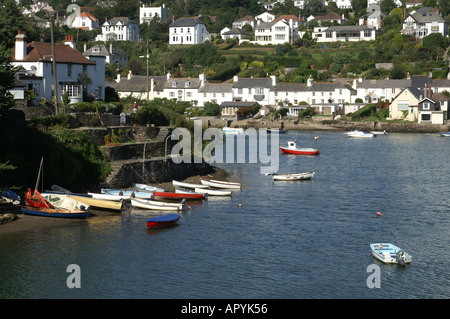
{"x": 162, "y": 221}
{"x": 293, "y": 148}
{"x": 170, "y": 195}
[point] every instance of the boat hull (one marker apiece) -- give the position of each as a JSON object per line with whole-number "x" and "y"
{"x": 387, "y": 253}
{"x": 99, "y": 203}
{"x": 220, "y": 184}
{"x": 155, "y": 205}
{"x": 162, "y": 221}
{"x": 294, "y": 177}
{"x": 213, "y": 192}
{"x": 170, "y": 195}
{"x": 187, "y": 185}
{"x": 300, "y": 151}
{"x": 53, "y": 212}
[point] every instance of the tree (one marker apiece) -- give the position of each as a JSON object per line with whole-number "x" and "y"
{"x": 7, "y": 75}
{"x": 211, "y": 109}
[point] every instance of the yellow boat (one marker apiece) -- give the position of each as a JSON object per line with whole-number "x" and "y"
{"x": 99, "y": 203}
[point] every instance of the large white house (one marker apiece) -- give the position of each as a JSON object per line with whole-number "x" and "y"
{"x": 71, "y": 66}
{"x": 353, "y": 33}
{"x": 147, "y": 13}
{"x": 423, "y": 22}
{"x": 119, "y": 29}
{"x": 188, "y": 31}
{"x": 85, "y": 21}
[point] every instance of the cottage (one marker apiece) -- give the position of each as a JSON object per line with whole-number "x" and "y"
{"x": 141, "y": 87}
{"x": 188, "y": 31}
{"x": 251, "y": 89}
{"x": 433, "y": 109}
{"x": 183, "y": 89}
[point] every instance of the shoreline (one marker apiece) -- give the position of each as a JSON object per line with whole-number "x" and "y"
{"x": 27, "y": 223}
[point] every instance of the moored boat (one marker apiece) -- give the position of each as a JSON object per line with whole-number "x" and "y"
{"x": 188, "y": 185}
{"x": 54, "y": 212}
{"x": 444, "y": 134}
{"x": 109, "y": 197}
{"x": 390, "y": 254}
{"x": 213, "y": 192}
{"x": 232, "y": 130}
{"x": 170, "y": 195}
{"x": 99, "y": 204}
{"x": 148, "y": 188}
{"x": 127, "y": 193}
{"x": 162, "y": 221}
{"x": 293, "y": 177}
{"x": 11, "y": 197}
{"x": 292, "y": 147}
{"x": 220, "y": 184}
{"x": 275, "y": 130}
{"x": 379, "y": 132}
{"x": 156, "y": 205}
{"x": 358, "y": 133}
{"x": 61, "y": 201}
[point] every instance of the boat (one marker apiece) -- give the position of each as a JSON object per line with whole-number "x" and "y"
{"x": 379, "y": 132}
{"x": 162, "y": 221}
{"x": 54, "y": 212}
{"x": 390, "y": 254}
{"x": 274, "y": 130}
{"x": 170, "y": 195}
{"x": 64, "y": 202}
{"x": 156, "y": 205}
{"x": 232, "y": 130}
{"x": 293, "y": 148}
{"x": 293, "y": 177}
{"x": 213, "y": 192}
{"x": 127, "y": 193}
{"x": 148, "y": 188}
{"x": 444, "y": 134}
{"x": 220, "y": 184}
{"x": 11, "y": 197}
{"x": 111, "y": 197}
{"x": 188, "y": 185}
{"x": 358, "y": 133}
{"x": 99, "y": 204}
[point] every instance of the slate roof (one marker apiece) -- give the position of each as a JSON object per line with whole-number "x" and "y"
{"x": 104, "y": 51}
{"x": 181, "y": 83}
{"x": 186, "y": 22}
{"x": 253, "y": 83}
{"x": 237, "y": 31}
{"x": 392, "y": 83}
{"x": 138, "y": 83}
{"x": 216, "y": 88}
{"x": 426, "y": 14}
{"x": 123, "y": 20}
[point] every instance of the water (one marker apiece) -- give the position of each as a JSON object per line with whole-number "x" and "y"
{"x": 289, "y": 240}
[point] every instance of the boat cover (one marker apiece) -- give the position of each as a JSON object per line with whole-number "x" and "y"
{"x": 164, "y": 218}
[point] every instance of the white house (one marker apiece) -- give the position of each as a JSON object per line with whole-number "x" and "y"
{"x": 36, "y": 59}
{"x": 235, "y": 33}
{"x": 353, "y": 33}
{"x": 373, "y": 18}
{"x": 183, "y": 89}
{"x": 342, "y": 4}
{"x": 251, "y": 89}
{"x": 278, "y": 32}
{"x": 147, "y": 13}
{"x": 423, "y": 22}
{"x": 265, "y": 17}
{"x": 188, "y": 31}
{"x": 250, "y": 20}
{"x": 119, "y": 29}
{"x": 85, "y": 21}
{"x": 215, "y": 93}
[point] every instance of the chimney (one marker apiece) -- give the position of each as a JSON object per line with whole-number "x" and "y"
{"x": 118, "y": 78}
{"x": 310, "y": 81}
{"x": 69, "y": 41}
{"x": 85, "y": 47}
{"x": 169, "y": 76}
{"x": 110, "y": 48}
{"x": 21, "y": 46}
{"x": 129, "y": 75}
{"x": 235, "y": 78}
{"x": 202, "y": 79}
{"x": 274, "y": 80}
{"x": 426, "y": 90}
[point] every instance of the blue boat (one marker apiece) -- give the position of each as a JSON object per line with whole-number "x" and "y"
{"x": 11, "y": 197}
{"x": 390, "y": 254}
{"x": 162, "y": 221}
{"x": 54, "y": 212}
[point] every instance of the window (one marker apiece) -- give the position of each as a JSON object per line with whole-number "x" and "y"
{"x": 73, "y": 90}
{"x": 187, "y": 84}
{"x": 403, "y": 105}
{"x": 426, "y": 117}
{"x": 69, "y": 69}
{"x": 426, "y": 106}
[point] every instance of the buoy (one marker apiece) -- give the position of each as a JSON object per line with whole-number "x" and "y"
{"x": 240, "y": 205}
{"x": 378, "y": 214}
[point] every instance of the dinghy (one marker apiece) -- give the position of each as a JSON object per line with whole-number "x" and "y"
{"x": 11, "y": 197}
{"x": 127, "y": 193}
{"x": 220, "y": 184}
{"x": 213, "y": 192}
{"x": 61, "y": 201}
{"x": 148, "y": 188}
{"x": 100, "y": 204}
{"x": 390, "y": 254}
{"x": 170, "y": 195}
{"x": 358, "y": 133}
{"x": 156, "y": 205}
{"x": 188, "y": 185}
{"x": 110, "y": 197}
{"x": 162, "y": 221}
{"x": 293, "y": 177}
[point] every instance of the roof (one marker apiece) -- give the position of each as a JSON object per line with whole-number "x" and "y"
{"x": 253, "y": 83}
{"x": 236, "y": 31}
{"x": 426, "y": 14}
{"x": 138, "y": 83}
{"x": 104, "y": 51}
{"x": 329, "y": 16}
{"x": 390, "y": 83}
{"x": 287, "y": 17}
{"x": 349, "y": 28}
{"x": 216, "y": 88}
{"x": 180, "y": 83}
{"x": 246, "y": 18}
{"x": 237, "y": 104}
{"x": 186, "y": 22}
{"x": 40, "y": 52}
{"x": 89, "y": 16}
{"x": 117, "y": 20}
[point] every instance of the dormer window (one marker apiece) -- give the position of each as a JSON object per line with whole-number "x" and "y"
{"x": 187, "y": 84}
{"x": 174, "y": 84}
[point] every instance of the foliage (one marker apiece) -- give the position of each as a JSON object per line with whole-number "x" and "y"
{"x": 7, "y": 74}
{"x": 306, "y": 113}
{"x": 211, "y": 109}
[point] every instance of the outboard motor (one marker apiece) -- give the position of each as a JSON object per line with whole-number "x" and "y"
{"x": 401, "y": 257}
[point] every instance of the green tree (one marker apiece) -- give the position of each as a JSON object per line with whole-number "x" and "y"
{"x": 211, "y": 109}
{"x": 7, "y": 75}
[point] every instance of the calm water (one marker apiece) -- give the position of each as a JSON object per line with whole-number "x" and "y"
{"x": 289, "y": 240}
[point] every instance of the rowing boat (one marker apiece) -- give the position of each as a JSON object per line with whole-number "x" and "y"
{"x": 109, "y": 197}
{"x": 293, "y": 177}
{"x": 128, "y": 193}
{"x": 156, "y": 205}
{"x": 390, "y": 254}
{"x": 175, "y": 195}
{"x": 213, "y": 192}
{"x": 220, "y": 184}
{"x": 61, "y": 201}
{"x": 148, "y": 188}
{"x": 99, "y": 204}
{"x": 188, "y": 185}
{"x": 162, "y": 221}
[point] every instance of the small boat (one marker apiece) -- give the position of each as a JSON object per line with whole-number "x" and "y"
{"x": 61, "y": 201}
{"x": 213, "y": 192}
{"x": 232, "y": 130}
{"x": 444, "y": 134}
{"x": 54, "y": 212}
{"x": 148, "y": 188}
{"x": 293, "y": 148}
{"x": 293, "y": 177}
{"x": 170, "y": 195}
{"x": 11, "y": 197}
{"x": 156, "y": 205}
{"x": 162, "y": 221}
{"x": 127, "y": 193}
{"x": 111, "y": 197}
{"x": 188, "y": 185}
{"x": 99, "y": 204}
{"x": 220, "y": 184}
{"x": 358, "y": 133}
{"x": 390, "y": 254}
{"x": 379, "y": 132}
{"x": 55, "y": 189}
{"x": 274, "y": 130}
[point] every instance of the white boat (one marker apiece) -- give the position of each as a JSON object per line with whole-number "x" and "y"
{"x": 390, "y": 254}
{"x": 116, "y": 198}
{"x": 128, "y": 193}
{"x": 220, "y": 184}
{"x": 213, "y": 192}
{"x": 444, "y": 134}
{"x": 148, "y": 188}
{"x": 358, "y": 133}
{"x": 99, "y": 204}
{"x": 156, "y": 205}
{"x": 293, "y": 177}
{"x": 188, "y": 185}
{"x": 61, "y": 201}
{"x": 379, "y": 132}
{"x": 232, "y": 130}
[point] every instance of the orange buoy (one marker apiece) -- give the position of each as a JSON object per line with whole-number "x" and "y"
{"x": 378, "y": 214}
{"x": 240, "y": 205}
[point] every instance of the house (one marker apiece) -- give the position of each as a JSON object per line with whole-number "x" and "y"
{"x": 342, "y": 4}
{"x": 375, "y": 90}
{"x": 423, "y": 22}
{"x": 71, "y": 66}
{"x": 331, "y": 17}
{"x": 183, "y": 89}
{"x": 236, "y": 33}
{"x": 215, "y": 93}
{"x": 433, "y": 109}
{"x": 275, "y": 32}
{"x": 137, "y": 86}
{"x": 119, "y": 29}
{"x": 353, "y": 33}
{"x": 251, "y": 89}
{"x": 188, "y": 31}
{"x": 111, "y": 55}
{"x": 405, "y": 104}
{"x": 85, "y": 21}
{"x": 250, "y": 20}
{"x": 373, "y": 18}
{"x": 147, "y": 13}
{"x": 414, "y": 3}
{"x": 265, "y": 17}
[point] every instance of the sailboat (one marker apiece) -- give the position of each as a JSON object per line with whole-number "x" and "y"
{"x": 37, "y": 205}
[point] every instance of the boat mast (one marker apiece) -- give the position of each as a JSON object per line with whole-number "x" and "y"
{"x": 39, "y": 173}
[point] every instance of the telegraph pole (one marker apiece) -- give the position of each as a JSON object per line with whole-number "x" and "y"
{"x": 55, "y": 84}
